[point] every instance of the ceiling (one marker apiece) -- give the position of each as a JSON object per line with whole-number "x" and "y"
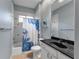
{"x": 27, "y": 3}
{"x": 58, "y": 4}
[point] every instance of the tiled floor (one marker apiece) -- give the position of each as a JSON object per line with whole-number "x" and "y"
{"x": 18, "y": 54}
{"x": 25, "y": 55}
{"x": 19, "y": 57}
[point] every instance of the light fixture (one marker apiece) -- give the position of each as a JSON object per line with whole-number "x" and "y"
{"x": 21, "y": 17}
{"x": 29, "y": 17}
{"x": 20, "y": 20}
{"x": 60, "y": 1}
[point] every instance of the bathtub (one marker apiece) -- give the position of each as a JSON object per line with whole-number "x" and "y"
{"x": 16, "y": 51}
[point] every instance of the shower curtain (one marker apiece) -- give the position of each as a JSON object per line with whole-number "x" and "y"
{"x": 30, "y": 33}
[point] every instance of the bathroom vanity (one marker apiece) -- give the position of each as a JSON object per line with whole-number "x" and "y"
{"x": 52, "y": 49}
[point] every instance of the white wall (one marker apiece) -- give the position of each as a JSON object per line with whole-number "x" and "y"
{"x": 66, "y": 17}
{"x": 45, "y": 15}
{"x": 55, "y": 25}
{"x": 6, "y": 36}
{"x": 38, "y": 11}
{"x": 76, "y": 55}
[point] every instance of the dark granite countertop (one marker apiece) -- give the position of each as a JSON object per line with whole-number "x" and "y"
{"x": 69, "y": 51}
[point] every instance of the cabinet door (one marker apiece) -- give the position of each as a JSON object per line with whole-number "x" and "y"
{"x": 62, "y": 56}
{"x": 53, "y": 57}
{"x": 49, "y": 49}
{"x": 44, "y": 54}
{"x": 48, "y": 52}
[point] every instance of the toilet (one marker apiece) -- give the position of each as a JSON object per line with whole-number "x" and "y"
{"x": 36, "y": 52}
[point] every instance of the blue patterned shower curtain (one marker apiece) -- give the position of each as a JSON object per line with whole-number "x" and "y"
{"x": 30, "y": 33}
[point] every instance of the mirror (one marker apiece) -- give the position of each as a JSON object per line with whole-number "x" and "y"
{"x": 63, "y": 19}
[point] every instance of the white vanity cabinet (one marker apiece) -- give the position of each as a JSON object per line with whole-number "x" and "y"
{"x": 52, "y": 57}
{"x": 62, "y": 56}
{"x": 48, "y": 52}
{"x": 44, "y": 54}
{"x": 51, "y": 53}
